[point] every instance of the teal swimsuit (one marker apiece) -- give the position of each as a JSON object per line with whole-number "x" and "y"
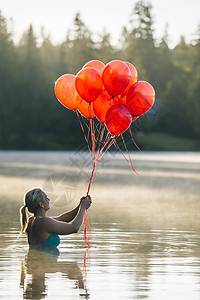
{"x": 52, "y": 242}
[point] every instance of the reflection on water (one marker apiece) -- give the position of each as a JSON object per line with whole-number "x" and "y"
{"x": 39, "y": 264}
{"x": 124, "y": 264}
{"x": 145, "y": 229}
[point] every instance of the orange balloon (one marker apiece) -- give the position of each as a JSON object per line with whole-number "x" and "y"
{"x": 65, "y": 91}
{"x": 102, "y": 104}
{"x": 86, "y": 109}
{"x": 140, "y": 98}
{"x": 116, "y": 76}
{"x": 88, "y": 84}
{"x": 134, "y": 77}
{"x": 118, "y": 119}
{"x": 96, "y": 64}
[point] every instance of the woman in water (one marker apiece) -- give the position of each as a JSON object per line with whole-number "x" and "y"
{"x": 43, "y": 231}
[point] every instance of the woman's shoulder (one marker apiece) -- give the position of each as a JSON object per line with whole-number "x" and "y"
{"x": 45, "y": 225}
{"x": 43, "y": 221}
{"x": 37, "y": 223}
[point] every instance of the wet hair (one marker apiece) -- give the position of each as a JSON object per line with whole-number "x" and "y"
{"x": 31, "y": 204}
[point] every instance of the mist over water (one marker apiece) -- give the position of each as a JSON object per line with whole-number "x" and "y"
{"x": 145, "y": 227}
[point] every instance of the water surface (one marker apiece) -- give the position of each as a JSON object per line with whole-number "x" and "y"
{"x": 144, "y": 228}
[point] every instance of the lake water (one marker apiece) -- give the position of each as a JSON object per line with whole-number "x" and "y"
{"x": 145, "y": 229}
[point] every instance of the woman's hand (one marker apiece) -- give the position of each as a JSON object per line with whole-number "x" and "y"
{"x": 86, "y": 202}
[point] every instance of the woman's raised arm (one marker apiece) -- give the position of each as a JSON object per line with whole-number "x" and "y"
{"x": 68, "y": 216}
{"x": 51, "y": 225}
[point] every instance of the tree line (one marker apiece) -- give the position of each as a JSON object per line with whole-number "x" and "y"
{"x": 32, "y": 118}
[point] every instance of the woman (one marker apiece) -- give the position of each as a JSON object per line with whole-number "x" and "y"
{"x": 43, "y": 231}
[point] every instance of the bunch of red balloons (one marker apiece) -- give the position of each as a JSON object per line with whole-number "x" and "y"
{"x": 110, "y": 92}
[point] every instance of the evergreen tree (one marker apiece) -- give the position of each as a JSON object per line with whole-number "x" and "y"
{"x": 32, "y": 118}
{"x": 30, "y": 94}
{"x": 79, "y": 46}
{"x": 180, "y": 55}
{"x": 141, "y": 41}
{"x": 164, "y": 65}
{"x": 104, "y": 51}
{"x": 193, "y": 83}
{"x": 49, "y": 56}
{"x": 8, "y": 86}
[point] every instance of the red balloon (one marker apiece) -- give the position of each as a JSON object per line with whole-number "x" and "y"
{"x": 116, "y": 76}
{"x": 95, "y": 64}
{"x": 134, "y": 77}
{"x": 65, "y": 91}
{"x": 122, "y": 99}
{"x": 102, "y": 104}
{"x": 88, "y": 84}
{"x": 118, "y": 119}
{"x": 140, "y": 98}
{"x": 134, "y": 118}
{"x": 86, "y": 109}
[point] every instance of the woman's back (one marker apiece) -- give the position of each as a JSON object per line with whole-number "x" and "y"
{"x": 36, "y": 234}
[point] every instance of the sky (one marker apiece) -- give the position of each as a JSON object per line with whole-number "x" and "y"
{"x": 56, "y": 16}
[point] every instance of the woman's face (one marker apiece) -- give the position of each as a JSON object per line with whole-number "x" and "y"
{"x": 45, "y": 201}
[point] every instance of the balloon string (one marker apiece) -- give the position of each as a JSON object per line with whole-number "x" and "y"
{"x": 92, "y": 130}
{"x": 91, "y": 177}
{"x": 85, "y": 219}
{"x": 87, "y": 230}
{"x": 86, "y": 264}
{"x": 133, "y": 139}
{"x": 84, "y": 133}
{"x": 96, "y": 159}
{"x": 128, "y": 155}
{"x": 96, "y": 154}
{"x": 117, "y": 146}
{"x": 110, "y": 143}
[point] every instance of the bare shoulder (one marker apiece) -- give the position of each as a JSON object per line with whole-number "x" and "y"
{"x": 51, "y": 225}
{"x": 46, "y": 221}
{"x": 41, "y": 224}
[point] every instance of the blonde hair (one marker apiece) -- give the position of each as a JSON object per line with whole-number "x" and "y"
{"x": 31, "y": 204}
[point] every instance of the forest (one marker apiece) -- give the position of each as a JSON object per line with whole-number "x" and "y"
{"x": 31, "y": 118}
